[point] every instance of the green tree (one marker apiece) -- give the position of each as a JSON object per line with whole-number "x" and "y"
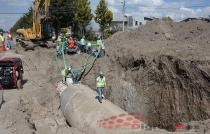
{"x": 103, "y": 15}
{"x": 83, "y": 15}
{"x": 62, "y": 13}
{"x": 167, "y": 19}
{"x": 108, "y": 32}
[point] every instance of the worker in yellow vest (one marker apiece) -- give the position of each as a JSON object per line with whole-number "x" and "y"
{"x": 102, "y": 49}
{"x": 100, "y": 85}
{"x": 64, "y": 73}
{"x": 83, "y": 43}
{"x": 89, "y": 47}
{"x": 53, "y": 37}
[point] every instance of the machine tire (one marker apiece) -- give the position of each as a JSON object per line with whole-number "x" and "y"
{"x": 19, "y": 86}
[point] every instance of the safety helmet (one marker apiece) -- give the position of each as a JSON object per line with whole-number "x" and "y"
{"x": 69, "y": 68}
{"x": 101, "y": 73}
{"x": 83, "y": 36}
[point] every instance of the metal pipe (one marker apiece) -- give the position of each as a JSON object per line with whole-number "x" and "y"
{"x": 83, "y": 111}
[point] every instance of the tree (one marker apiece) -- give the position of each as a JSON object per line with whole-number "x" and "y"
{"x": 62, "y": 13}
{"x": 103, "y": 15}
{"x": 83, "y": 15}
{"x": 167, "y": 19}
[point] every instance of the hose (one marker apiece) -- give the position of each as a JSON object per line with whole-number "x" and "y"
{"x": 64, "y": 60}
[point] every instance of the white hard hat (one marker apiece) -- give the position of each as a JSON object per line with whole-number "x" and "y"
{"x": 101, "y": 73}
{"x": 69, "y": 68}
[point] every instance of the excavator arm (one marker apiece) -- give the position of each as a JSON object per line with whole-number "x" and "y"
{"x": 41, "y": 22}
{"x": 40, "y": 16}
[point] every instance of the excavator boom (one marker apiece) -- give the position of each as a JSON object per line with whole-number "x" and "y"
{"x": 42, "y": 27}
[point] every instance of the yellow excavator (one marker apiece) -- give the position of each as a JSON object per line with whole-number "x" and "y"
{"x": 41, "y": 33}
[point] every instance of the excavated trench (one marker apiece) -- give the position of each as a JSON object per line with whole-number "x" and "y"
{"x": 167, "y": 90}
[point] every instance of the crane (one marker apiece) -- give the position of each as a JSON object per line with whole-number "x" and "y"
{"x": 41, "y": 33}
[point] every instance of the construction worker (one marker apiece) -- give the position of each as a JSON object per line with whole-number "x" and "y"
{"x": 71, "y": 43}
{"x": 59, "y": 41}
{"x": 53, "y": 37}
{"x": 74, "y": 74}
{"x": 89, "y": 47}
{"x": 83, "y": 43}
{"x": 99, "y": 44}
{"x": 64, "y": 73}
{"x": 9, "y": 39}
{"x": 100, "y": 85}
{"x": 102, "y": 49}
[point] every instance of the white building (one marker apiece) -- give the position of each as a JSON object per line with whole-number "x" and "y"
{"x": 129, "y": 22}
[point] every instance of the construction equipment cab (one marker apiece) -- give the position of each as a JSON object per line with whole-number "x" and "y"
{"x": 41, "y": 33}
{"x": 11, "y": 72}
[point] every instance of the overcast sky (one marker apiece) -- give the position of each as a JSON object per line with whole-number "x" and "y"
{"x": 176, "y": 9}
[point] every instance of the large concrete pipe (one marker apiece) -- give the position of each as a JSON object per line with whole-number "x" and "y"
{"x": 83, "y": 111}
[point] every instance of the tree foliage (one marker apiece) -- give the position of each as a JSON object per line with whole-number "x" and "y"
{"x": 167, "y": 19}
{"x": 62, "y": 13}
{"x": 103, "y": 15}
{"x": 83, "y": 15}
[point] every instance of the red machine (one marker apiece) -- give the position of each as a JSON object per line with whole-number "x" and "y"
{"x": 11, "y": 72}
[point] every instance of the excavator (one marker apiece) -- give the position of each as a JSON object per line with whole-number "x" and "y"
{"x": 41, "y": 33}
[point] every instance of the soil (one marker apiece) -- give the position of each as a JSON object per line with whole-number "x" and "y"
{"x": 160, "y": 70}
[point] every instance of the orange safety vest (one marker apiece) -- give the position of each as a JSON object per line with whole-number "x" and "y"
{"x": 71, "y": 43}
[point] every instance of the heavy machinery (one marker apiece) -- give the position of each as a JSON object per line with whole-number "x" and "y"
{"x": 41, "y": 33}
{"x": 11, "y": 72}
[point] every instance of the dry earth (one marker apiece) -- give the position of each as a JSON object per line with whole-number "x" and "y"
{"x": 160, "y": 70}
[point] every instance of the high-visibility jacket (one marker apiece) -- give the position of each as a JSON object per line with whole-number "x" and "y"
{"x": 53, "y": 36}
{"x": 82, "y": 41}
{"x": 89, "y": 44}
{"x": 102, "y": 46}
{"x": 99, "y": 42}
{"x": 59, "y": 39}
{"x": 64, "y": 72}
{"x": 101, "y": 81}
{"x": 1, "y": 39}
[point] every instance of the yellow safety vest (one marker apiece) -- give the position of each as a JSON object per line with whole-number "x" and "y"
{"x": 64, "y": 72}
{"x": 102, "y": 46}
{"x": 1, "y": 39}
{"x": 99, "y": 42}
{"x": 100, "y": 82}
{"x": 53, "y": 37}
{"x": 82, "y": 41}
{"x": 89, "y": 44}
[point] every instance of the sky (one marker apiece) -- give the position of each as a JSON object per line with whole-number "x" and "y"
{"x": 178, "y": 10}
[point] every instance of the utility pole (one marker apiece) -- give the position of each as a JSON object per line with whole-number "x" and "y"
{"x": 123, "y": 14}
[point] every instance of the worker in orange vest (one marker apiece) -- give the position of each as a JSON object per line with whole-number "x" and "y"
{"x": 71, "y": 43}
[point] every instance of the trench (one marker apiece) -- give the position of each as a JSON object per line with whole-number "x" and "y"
{"x": 166, "y": 89}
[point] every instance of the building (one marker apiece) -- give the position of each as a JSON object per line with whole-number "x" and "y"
{"x": 200, "y": 18}
{"x": 129, "y": 22}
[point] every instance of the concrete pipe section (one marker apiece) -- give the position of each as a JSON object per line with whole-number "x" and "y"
{"x": 83, "y": 111}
